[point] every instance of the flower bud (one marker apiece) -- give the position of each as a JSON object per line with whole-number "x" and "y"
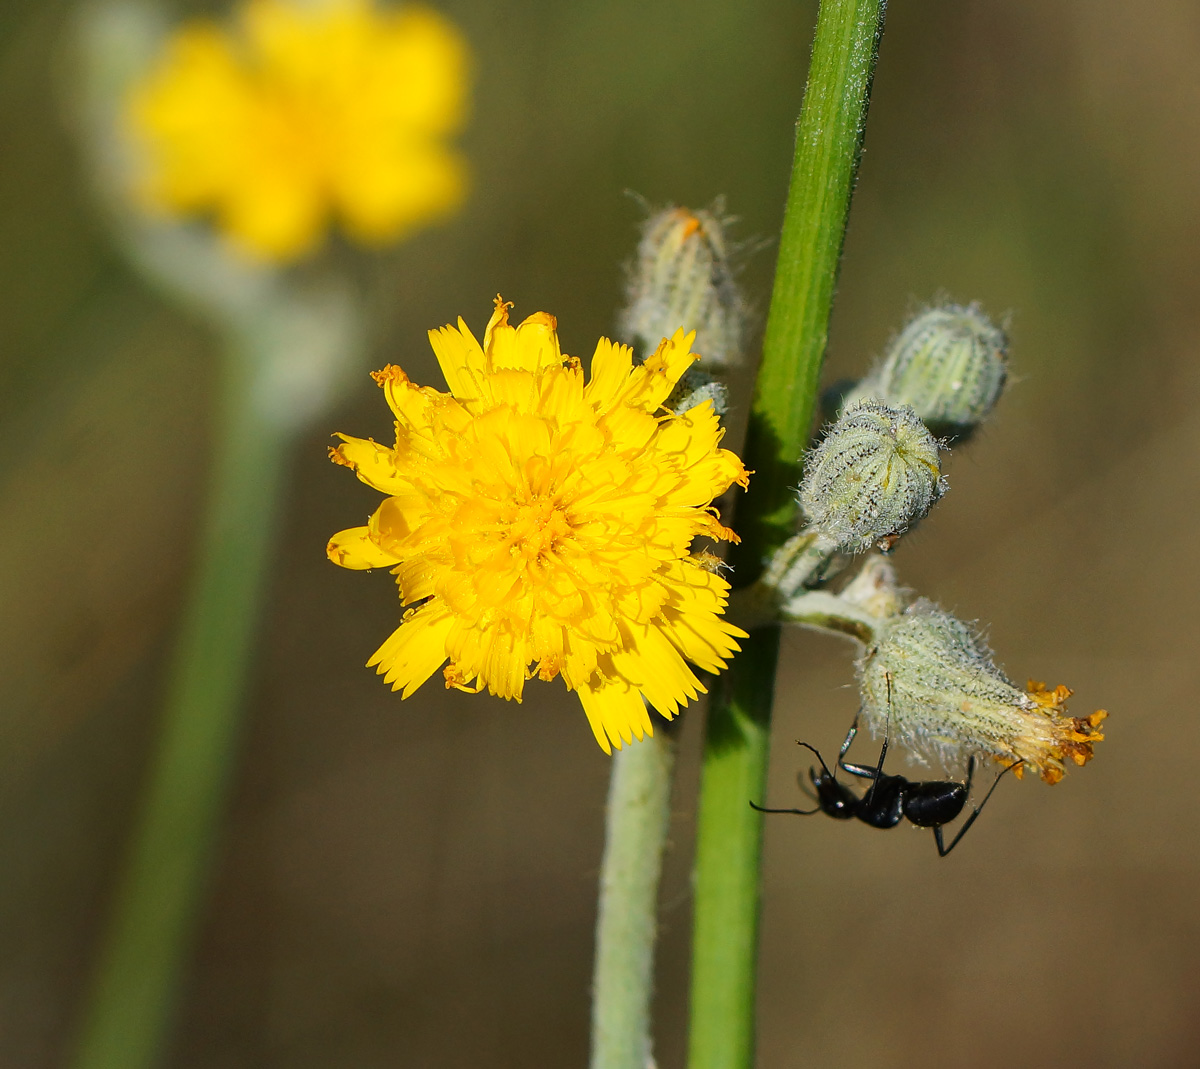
{"x": 949, "y": 363}
{"x": 875, "y": 474}
{"x": 696, "y": 387}
{"x": 682, "y": 277}
{"x": 931, "y": 685}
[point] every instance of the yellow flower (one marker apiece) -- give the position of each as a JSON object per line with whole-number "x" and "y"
{"x": 541, "y": 526}
{"x": 306, "y": 110}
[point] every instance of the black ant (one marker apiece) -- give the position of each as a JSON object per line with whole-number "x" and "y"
{"x": 890, "y": 799}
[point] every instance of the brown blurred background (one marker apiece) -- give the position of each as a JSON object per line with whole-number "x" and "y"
{"x": 413, "y": 885}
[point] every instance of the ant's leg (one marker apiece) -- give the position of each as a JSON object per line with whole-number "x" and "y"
{"x": 865, "y": 772}
{"x": 942, "y": 849}
{"x": 971, "y": 776}
{"x": 862, "y": 771}
{"x": 849, "y": 738}
{"x": 887, "y": 731}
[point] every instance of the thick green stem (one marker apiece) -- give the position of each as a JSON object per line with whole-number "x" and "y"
{"x": 161, "y": 887}
{"x": 729, "y": 835}
{"x": 728, "y": 849}
{"x": 639, "y": 815}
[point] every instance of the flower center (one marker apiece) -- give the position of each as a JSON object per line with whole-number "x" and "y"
{"x": 535, "y": 528}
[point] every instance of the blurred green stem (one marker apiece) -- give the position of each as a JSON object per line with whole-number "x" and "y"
{"x": 161, "y": 888}
{"x": 639, "y": 815}
{"x": 729, "y": 834}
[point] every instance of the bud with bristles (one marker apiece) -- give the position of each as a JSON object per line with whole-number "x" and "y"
{"x": 875, "y": 474}
{"x": 682, "y": 278}
{"x": 696, "y": 387}
{"x": 931, "y": 685}
{"x": 948, "y": 363}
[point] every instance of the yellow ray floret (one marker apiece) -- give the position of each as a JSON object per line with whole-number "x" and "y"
{"x": 303, "y": 110}
{"x": 541, "y": 525}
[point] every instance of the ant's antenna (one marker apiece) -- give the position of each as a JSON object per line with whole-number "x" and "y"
{"x": 814, "y": 750}
{"x": 799, "y": 812}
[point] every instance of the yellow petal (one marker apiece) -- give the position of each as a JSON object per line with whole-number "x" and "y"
{"x": 611, "y": 364}
{"x": 353, "y": 548}
{"x": 651, "y": 384}
{"x": 615, "y": 712}
{"x": 498, "y": 321}
{"x": 415, "y": 650}
{"x": 652, "y": 665}
{"x": 409, "y": 403}
{"x": 460, "y": 358}
{"x": 537, "y": 342}
{"x": 373, "y": 463}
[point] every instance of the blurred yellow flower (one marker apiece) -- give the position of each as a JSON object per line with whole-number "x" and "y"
{"x": 541, "y": 526}
{"x": 306, "y": 111}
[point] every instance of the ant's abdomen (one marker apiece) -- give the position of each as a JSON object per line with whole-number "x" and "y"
{"x": 934, "y": 802}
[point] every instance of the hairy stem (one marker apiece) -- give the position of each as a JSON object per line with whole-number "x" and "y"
{"x": 729, "y": 836}
{"x": 639, "y": 813}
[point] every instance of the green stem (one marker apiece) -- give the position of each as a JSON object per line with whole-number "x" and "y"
{"x": 639, "y": 816}
{"x": 729, "y": 833}
{"x": 161, "y": 888}
{"x": 823, "y": 611}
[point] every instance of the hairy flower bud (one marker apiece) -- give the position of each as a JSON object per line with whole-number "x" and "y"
{"x": 930, "y": 684}
{"x": 682, "y": 277}
{"x": 875, "y": 474}
{"x": 948, "y": 363}
{"x": 696, "y": 387}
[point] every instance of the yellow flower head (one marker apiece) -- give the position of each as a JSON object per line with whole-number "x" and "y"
{"x": 306, "y": 110}
{"x": 541, "y": 526}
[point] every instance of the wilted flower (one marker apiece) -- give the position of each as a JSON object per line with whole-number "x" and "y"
{"x": 540, "y": 526}
{"x": 303, "y": 111}
{"x": 932, "y": 685}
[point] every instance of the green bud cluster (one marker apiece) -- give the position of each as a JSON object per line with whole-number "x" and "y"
{"x": 928, "y": 683}
{"x": 875, "y": 474}
{"x": 681, "y": 277}
{"x": 949, "y": 363}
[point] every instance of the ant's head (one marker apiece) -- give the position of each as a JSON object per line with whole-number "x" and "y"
{"x": 834, "y": 798}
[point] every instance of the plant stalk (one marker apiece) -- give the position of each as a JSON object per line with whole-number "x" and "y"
{"x": 729, "y": 834}
{"x": 636, "y": 826}
{"x": 161, "y": 888}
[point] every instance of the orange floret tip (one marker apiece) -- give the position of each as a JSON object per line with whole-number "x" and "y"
{"x": 691, "y": 224}
{"x": 392, "y": 373}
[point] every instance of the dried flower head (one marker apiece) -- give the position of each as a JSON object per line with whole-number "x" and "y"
{"x": 303, "y": 111}
{"x": 949, "y": 363}
{"x": 931, "y": 684}
{"x": 682, "y": 278}
{"x": 540, "y": 526}
{"x": 876, "y": 472}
